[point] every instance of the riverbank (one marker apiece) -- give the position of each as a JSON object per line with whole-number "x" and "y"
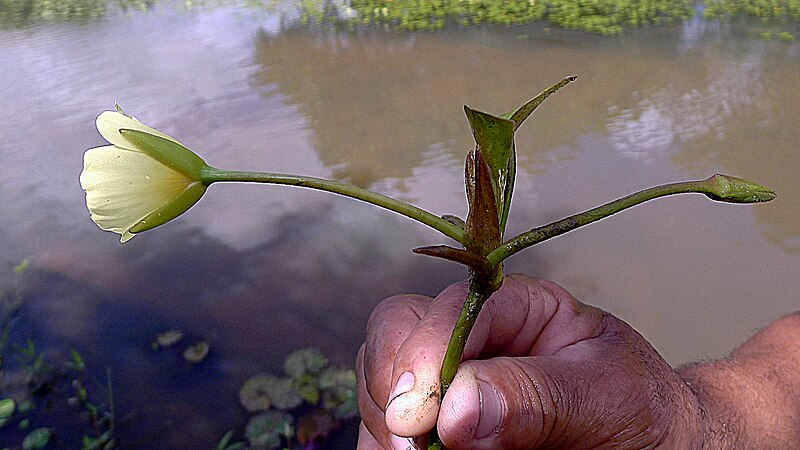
{"x": 609, "y": 17}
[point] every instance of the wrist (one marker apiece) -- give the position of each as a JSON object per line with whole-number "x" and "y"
{"x": 718, "y": 426}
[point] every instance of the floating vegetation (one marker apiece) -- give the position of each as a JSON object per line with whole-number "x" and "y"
{"x": 268, "y": 429}
{"x": 771, "y": 13}
{"x": 302, "y": 407}
{"x": 197, "y": 353}
{"x": 608, "y": 17}
{"x": 599, "y": 16}
{"x": 167, "y": 339}
{"x": 37, "y": 439}
{"x": 33, "y": 384}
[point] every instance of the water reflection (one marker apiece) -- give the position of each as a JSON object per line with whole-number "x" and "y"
{"x": 260, "y": 271}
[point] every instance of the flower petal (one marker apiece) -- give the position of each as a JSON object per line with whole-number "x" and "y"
{"x": 123, "y": 187}
{"x": 110, "y": 122}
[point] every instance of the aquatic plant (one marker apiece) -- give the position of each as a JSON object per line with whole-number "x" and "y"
{"x": 608, "y": 17}
{"x": 482, "y": 247}
{"x": 33, "y": 384}
{"x": 144, "y": 179}
{"x": 307, "y": 403}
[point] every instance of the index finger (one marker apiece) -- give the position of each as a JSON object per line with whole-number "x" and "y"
{"x": 525, "y": 316}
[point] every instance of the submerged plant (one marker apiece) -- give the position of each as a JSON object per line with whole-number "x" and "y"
{"x": 147, "y": 178}
{"x": 305, "y": 405}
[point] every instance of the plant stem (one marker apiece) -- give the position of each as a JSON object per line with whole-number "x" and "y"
{"x": 478, "y": 294}
{"x": 480, "y": 289}
{"x": 718, "y": 187}
{"x": 213, "y": 175}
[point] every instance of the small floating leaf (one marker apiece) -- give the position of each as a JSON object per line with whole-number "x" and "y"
{"x": 304, "y": 361}
{"x": 283, "y": 394}
{"x": 306, "y": 387}
{"x": 196, "y": 353}
{"x": 262, "y": 391}
{"x": 339, "y": 392}
{"x": 7, "y": 407}
{"x": 22, "y": 267}
{"x": 167, "y": 339}
{"x": 77, "y": 362}
{"x": 253, "y": 395}
{"x": 37, "y": 439}
{"x": 266, "y": 430}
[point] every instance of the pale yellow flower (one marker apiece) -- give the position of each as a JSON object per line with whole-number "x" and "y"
{"x": 144, "y": 179}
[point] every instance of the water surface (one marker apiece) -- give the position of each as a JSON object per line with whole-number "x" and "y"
{"x": 259, "y": 271}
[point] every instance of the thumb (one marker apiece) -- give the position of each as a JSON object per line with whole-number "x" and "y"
{"x": 509, "y": 403}
{"x": 600, "y": 392}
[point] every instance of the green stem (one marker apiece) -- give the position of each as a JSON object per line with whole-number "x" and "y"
{"x": 718, "y": 187}
{"x": 480, "y": 289}
{"x": 213, "y": 175}
{"x": 458, "y": 340}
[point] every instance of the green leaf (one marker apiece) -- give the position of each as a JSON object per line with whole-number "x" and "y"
{"x": 304, "y": 361}
{"x": 77, "y": 362}
{"x": 266, "y": 430}
{"x": 37, "y": 439}
{"x": 307, "y": 388}
{"x": 253, "y": 395}
{"x": 167, "y": 339}
{"x": 339, "y": 394}
{"x": 525, "y": 110}
{"x": 196, "y": 353}
{"x": 22, "y": 267}
{"x": 226, "y": 444}
{"x": 283, "y": 394}
{"x": 7, "y": 407}
{"x": 483, "y": 232}
{"x": 262, "y": 391}
{"x": 495, "y": 139}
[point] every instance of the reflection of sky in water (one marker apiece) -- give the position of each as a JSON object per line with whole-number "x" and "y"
{"x": 660, "y": 121}
{"x": 261, "y": 270}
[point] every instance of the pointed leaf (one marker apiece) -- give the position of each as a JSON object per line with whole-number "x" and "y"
{"x": 508, "y": 189}
{"x": 495, "y": 138}
{"x": 469, "y": 175}
{"x": 525, "y": 110}
{"x": 458, "y": 255}
{"x": 483, "y": 226}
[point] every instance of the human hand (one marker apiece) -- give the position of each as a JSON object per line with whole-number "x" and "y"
{"x": 540, "y": 370}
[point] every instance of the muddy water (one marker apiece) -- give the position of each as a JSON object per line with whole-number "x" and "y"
{"x": 258, "y": 271}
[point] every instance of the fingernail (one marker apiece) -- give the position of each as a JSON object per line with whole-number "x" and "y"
{"x": 491, "y": 410}
{"x": 404, "y": 384}
{"x": 402, "y": 443}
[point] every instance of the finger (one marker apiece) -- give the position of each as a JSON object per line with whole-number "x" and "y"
{"x": 529, "y": 316}
{"x": 373, "y": 420}
{"x": 366, "y": 441}
{"x": 389, "y": 326}
{"x": 510, "y": 324}
{"x": 413, "y": 403}
{"x": 595, "y": 393}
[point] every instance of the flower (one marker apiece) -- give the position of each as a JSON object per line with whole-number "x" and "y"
{"x": 144, "y": 179}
